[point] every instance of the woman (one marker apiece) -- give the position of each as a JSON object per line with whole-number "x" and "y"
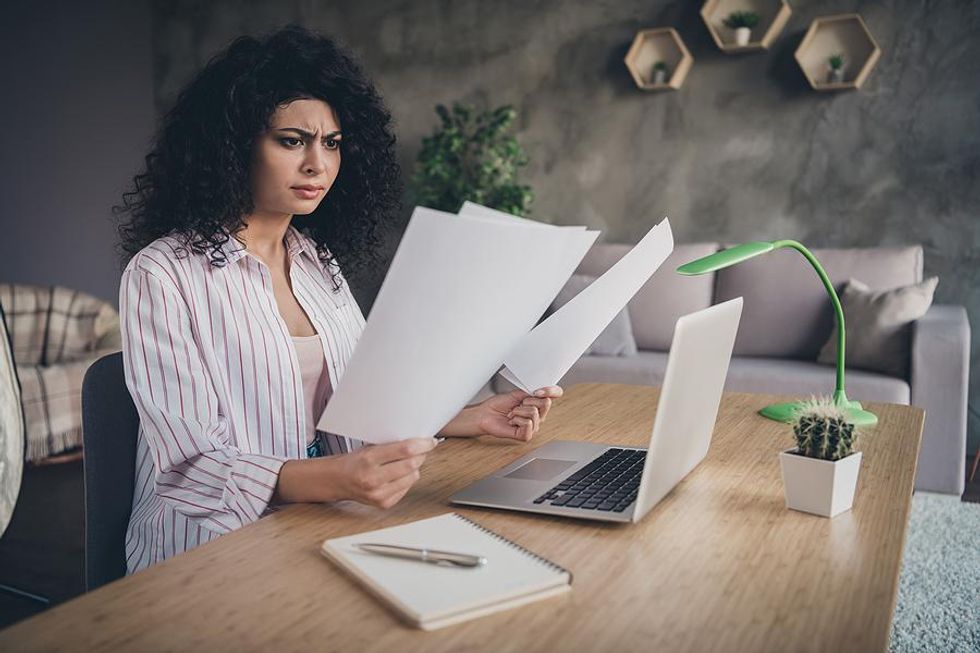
{"x": 276, "y": 164}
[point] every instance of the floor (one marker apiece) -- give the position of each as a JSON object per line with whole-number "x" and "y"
{"x": 42, "y": 552}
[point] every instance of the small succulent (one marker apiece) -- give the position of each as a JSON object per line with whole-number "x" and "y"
{"x": 822, "y": 430}
{"x": 836, "y": 61}
{"x": 660, "y": 65}
{"x": 738, "y": 19}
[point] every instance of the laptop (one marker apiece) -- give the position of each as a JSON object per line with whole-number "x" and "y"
{"x": 588, "y": 480}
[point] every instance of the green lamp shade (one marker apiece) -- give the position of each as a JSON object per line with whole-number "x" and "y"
{"x": 725, "y": 258}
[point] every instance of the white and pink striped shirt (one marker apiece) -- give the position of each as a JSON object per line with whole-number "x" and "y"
{"x": 217, "y": 385}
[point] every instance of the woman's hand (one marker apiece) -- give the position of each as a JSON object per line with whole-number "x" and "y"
{"x": 515, "y": 415}
{"x": 378, "y": 475}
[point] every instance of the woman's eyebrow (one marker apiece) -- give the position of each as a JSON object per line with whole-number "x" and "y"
{"x": 306, "y": 134}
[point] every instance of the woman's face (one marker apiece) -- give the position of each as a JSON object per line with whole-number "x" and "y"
{"x": 297, "y": 159}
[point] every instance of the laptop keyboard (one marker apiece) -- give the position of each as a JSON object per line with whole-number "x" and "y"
{"x": 610, "y": 482}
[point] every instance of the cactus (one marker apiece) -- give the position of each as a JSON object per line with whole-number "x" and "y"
{"x": 822, "y": 430}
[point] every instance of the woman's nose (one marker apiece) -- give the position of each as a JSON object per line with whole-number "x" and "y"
{"x": 315, "y": 161}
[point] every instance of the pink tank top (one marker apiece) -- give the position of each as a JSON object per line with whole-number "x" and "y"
{"x": 316, "y": 380}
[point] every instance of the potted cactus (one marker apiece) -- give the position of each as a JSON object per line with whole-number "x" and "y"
{"x": 660, "y": 72}
{"x": 742, "y": 22}
{"x": 835, "y": 68}
{"x": 820, "y": 474}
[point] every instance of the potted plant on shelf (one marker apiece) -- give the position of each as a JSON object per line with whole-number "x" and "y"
{"x": 742, "y": 22}
{"x": 660, "y": 73}
{"x": 820, "y": 474}
{"x": 835, "y": 68}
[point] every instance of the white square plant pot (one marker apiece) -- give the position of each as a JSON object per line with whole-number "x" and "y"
{"x": 820, "y": 487}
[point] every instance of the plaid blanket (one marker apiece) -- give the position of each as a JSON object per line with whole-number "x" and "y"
{"x": 55, "y": 334}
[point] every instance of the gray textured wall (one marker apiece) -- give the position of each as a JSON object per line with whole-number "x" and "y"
{"x": 75, "y": 120}
{"x": 745, "y": 150}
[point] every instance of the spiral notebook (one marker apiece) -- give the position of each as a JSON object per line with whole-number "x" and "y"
{"x": 431, "y": 596}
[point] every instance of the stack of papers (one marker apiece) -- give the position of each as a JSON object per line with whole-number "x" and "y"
{"x": 460, "y": 303}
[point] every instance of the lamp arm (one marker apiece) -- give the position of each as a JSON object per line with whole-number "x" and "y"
{"x": 839, "y": 395}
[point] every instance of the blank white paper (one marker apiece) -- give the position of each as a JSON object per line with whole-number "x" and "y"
{"x": 460, "y": 294}
{"x": 543, "y": 356}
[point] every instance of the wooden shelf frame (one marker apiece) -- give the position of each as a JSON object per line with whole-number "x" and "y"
{"x": 773, "y": 15}
{"x": 658, "y": 44}
{"x": 842, "y": 33}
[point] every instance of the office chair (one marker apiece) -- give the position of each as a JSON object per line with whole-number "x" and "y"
{"x": 110, "y": 426}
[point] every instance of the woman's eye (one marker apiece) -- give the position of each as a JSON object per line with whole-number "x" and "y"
{"x": 291, "y": 142}
{"x": 332, "y": 144}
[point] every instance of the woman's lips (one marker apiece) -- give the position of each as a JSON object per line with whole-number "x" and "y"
{"x": 307, "y": 192}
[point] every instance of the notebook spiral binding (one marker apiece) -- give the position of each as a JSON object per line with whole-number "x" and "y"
{"x": 512, "y": 543}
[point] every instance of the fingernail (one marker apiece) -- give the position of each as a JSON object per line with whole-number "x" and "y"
{"x": 540, "y": 393}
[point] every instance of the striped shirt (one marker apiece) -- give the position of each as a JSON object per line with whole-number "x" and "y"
{"x": 213, "y": 372}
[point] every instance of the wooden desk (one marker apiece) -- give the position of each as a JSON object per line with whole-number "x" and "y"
{"x": 718, "y": 565}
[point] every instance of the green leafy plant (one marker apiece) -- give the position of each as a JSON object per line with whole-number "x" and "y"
{"x": 660, "y": 65}
{"x": 836, "y": 61}
{"x": 472, "y": 156}
{"x": 738, "y": 19}
{"x": 822, "y": 430}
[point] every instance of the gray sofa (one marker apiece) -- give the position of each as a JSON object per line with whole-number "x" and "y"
{"x": 786, "y": 318}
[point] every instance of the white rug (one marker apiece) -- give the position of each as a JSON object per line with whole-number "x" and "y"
{"x": 938, "y": 606}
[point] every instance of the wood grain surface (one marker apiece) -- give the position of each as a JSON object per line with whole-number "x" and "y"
{"x": 719, "y": 565}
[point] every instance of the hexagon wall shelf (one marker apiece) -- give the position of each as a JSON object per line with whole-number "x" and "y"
{"x": 773, "y": 15}
{"x": 653, "y": 45}
{"x": 844, "y": 34}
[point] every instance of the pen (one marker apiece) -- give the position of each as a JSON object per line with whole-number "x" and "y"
{"x": 424, "y": 555}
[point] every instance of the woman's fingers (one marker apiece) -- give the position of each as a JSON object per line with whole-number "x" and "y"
{"x": 523, "y": 428}
{"x": 386, "y": 453}
{"x": 550, "y": 391}
{"x": 528, "y": 412}
{"x": 542, "y": 399}
{"x": 543, "y": 405}
{"x": 400, "y": 468}
{"x": 391, "y": 493}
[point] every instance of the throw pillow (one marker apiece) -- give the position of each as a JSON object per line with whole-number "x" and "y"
{"x": 877, "y": 326}
{"x": 617, "y": 338}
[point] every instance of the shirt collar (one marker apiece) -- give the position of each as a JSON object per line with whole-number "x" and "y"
{"x": 299, "y": 243}
{"x": 296, "y": 243}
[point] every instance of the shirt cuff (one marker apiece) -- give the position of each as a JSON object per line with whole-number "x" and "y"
{"x": 256, "y": 477}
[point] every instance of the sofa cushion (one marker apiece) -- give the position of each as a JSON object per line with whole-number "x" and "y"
{"x": 665, "y": 297}
{"x": 805, "y": 378}
{"x": 878, "y": 325}
{"x": 617, "y": 338}
{"x": 787, "y": 312}
{"x": 745, "y": 374}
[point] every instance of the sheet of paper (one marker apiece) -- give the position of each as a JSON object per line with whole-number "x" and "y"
{"x": 544, "y": 355}
{"x": 460, "y": 293}
{"x": 576, "y": 248}
{"x": 474, "y": 210}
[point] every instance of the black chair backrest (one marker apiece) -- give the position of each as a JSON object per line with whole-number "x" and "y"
{"x": 110, "y": 426}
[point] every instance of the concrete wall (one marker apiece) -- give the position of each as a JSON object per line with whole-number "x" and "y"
{"x": 745, "y": 150}
{"x": 75, "y": 121}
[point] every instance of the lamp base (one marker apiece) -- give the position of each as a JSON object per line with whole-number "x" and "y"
{"x": 787, "y": 413}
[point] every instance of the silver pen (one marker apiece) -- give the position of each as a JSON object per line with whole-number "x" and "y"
{"x": 424, "y": 555}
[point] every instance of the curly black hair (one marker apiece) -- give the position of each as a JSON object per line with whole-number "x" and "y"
{"x": 196, "y": 181}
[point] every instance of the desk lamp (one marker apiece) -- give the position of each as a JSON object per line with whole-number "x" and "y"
{"x": 786, "y": 412}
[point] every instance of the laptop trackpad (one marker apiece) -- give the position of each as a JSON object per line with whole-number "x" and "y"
{"x": 541, "y": 469}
